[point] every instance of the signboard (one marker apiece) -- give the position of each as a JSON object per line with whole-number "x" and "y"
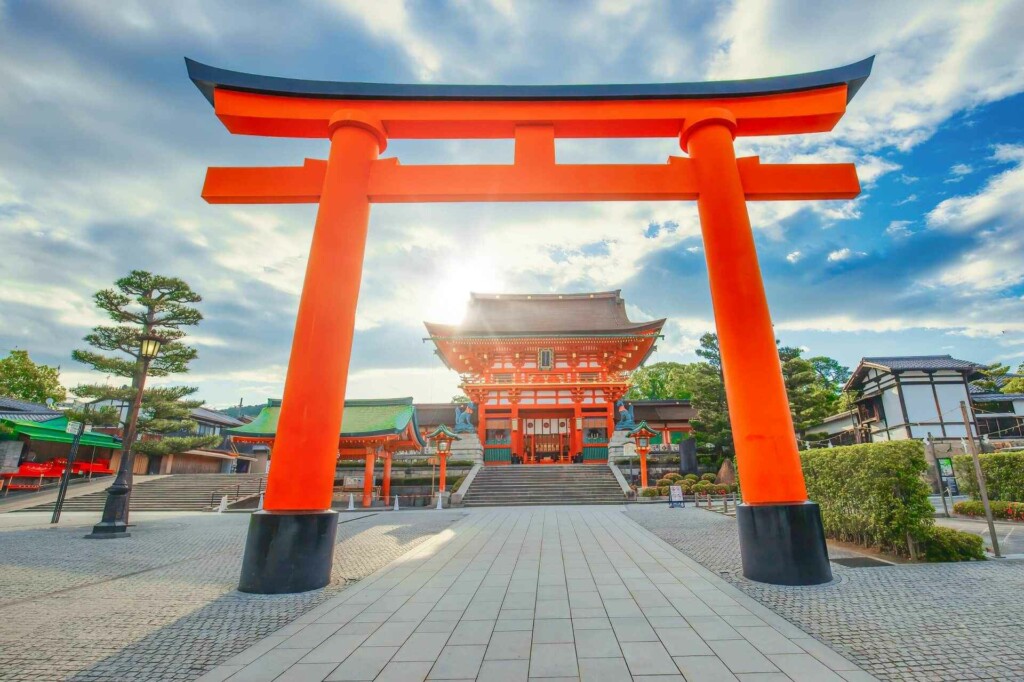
{"x": 675, "y": 496}
{"x": 73, "y": 427}
{"x": 10, "y": 455}
{"x": 433, "y": 461}
{"x": 353, "y": 482}
{"x": 947, "y": 475}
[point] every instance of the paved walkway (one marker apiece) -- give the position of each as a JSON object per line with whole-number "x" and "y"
{"x": 540, "y": 593}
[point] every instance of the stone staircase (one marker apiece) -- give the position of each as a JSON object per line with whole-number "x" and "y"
{"x": 524, "y": 485}
{"x": 177, "y": 492}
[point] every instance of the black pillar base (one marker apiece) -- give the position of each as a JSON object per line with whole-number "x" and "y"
{"x": 288, "y": 552}
{"x": 783, "y": 544}
{"x": 114, "y": 522}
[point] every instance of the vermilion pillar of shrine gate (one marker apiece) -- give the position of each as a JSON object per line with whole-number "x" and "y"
{"x": 290, "y": 544}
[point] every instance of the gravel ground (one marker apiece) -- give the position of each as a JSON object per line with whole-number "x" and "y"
{"x": 160, "y": 605}
{"x": 957, "y": 621}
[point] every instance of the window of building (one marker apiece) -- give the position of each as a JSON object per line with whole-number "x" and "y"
{"x": 546, "y": 358}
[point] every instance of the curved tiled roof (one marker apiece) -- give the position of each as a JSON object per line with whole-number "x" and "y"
{"x": 597, "y": 313}
{"x": 362, "y": 418}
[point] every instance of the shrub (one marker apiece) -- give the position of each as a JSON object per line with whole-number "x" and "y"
{"x": 1012, "y": 511}
{"x": 649, "y": 492}
{"x": 702, "y": 487}
{"x": 1004, "y": 475}
{"x": 674, "y": 477}
{"x": 663, "y": 491}
{"x": 871, "y": 494}
{"x": 664, "y": 482}
{"x": 721, "y": 489}
{"x": 710, "y": 478}
{"x": 692, "y": 477}
{"x": 948, "y": 544}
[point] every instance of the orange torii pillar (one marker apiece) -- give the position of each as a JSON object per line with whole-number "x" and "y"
{"x": 290, "y": 547}
{"x": 291, "y": 542}
{"x": 368, "y": 478}
{"x": 386, "y": 482}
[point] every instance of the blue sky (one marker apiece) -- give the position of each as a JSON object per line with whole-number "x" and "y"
{"x": 105, "y": 142}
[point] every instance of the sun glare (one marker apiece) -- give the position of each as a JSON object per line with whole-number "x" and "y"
{"x": 446, "y": 301}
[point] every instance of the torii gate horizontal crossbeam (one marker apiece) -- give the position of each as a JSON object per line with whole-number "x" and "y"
{"x": 390, "y": 182}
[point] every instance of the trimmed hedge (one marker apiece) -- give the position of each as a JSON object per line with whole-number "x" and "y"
{"x": 871, "y": 494}
{"x": 1011, "y": 511}
{"x": 948, "y": 544}
{"x": 1004, "y": 475}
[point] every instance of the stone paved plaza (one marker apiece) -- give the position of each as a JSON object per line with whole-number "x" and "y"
{"x": 553, "y": 593}
{"x": 160, "y": 605}
{"x": 957, "y": 621}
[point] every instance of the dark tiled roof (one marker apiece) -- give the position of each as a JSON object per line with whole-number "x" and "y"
{"x": 29, "y": 416}
{"x": 981, "y": 396}
{"x": 14, "y": 405}
{"x": 921, "y": 362}
{"x": 429, "y": 415}
{"x": 208, "y": 415}
{"x": 906, "y": 363}
{"x": 532, "y": 314}
{"x": 662, "y": 410}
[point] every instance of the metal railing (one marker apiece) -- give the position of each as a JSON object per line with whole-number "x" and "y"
{"x": 232, "y": 497}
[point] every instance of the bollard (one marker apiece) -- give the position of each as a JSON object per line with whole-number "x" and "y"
{"x": 351, "y": 502}
{"x": 396, "y": 503}
{"x": 725, "y": 503}
{"x": 223, "y": 506}
{"x": 260, "y": 506}
{"x": 439, "y": 502}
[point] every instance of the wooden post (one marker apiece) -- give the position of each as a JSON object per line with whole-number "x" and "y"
{"x": 368, "y": 480}
{"x": 981, "y": 481}
{"x": 938, "y": 473}
{"x": 386, "y": 482}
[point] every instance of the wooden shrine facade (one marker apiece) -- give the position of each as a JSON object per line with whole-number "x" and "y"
{"x": 545, "y": 371}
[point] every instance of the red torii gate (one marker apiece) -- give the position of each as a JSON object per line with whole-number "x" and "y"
{"x": 290, "y": 544}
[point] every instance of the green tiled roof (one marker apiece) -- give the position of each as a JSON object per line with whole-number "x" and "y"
{"x": 54, "y": 431}
{"x": 361, "y": 418}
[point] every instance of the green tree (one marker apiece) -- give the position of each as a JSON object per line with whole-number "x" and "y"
{"x": 22, "y": 379}
{"x": 711, "y": 429}
{"x": 813, "y": 394}
{"x": 993, "y": 377}
{"x": 662, "y": 381}
{"x": 144, "y": 305}
{"x": 1016, "y": 384}
{"x": 460, "y": 399}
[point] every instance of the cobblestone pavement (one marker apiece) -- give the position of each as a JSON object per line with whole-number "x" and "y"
{"x": 160, "y": 605}
{"x": 541, "y": 593}
{"x": 957, "y": 621}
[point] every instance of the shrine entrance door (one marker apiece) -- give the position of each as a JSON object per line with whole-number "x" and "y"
{"x": 549, "y": 436}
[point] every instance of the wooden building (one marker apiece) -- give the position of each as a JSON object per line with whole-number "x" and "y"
{"x": 545, "y": 371}
{"x": 370, "y": 429}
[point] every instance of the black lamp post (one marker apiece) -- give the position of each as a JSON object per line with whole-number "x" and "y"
{"x": 114, "y": 523}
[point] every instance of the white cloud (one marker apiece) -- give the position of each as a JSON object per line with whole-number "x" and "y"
{"x": 844, "y": 254}
{"x": 794, "y": 256}
{"x": 961, "y": 169}
{"x": 899, "y": 229}
{"x": 933, "y": 59}
{"x": 390, "y": 21}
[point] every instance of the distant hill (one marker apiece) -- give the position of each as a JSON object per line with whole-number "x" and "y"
{"x": 245, "y": 410}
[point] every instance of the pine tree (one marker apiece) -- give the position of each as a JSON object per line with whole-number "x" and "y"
{"x": 145, "y": 305}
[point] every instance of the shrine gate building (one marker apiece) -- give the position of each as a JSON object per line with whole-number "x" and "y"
{"x": 544, "y": 371}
